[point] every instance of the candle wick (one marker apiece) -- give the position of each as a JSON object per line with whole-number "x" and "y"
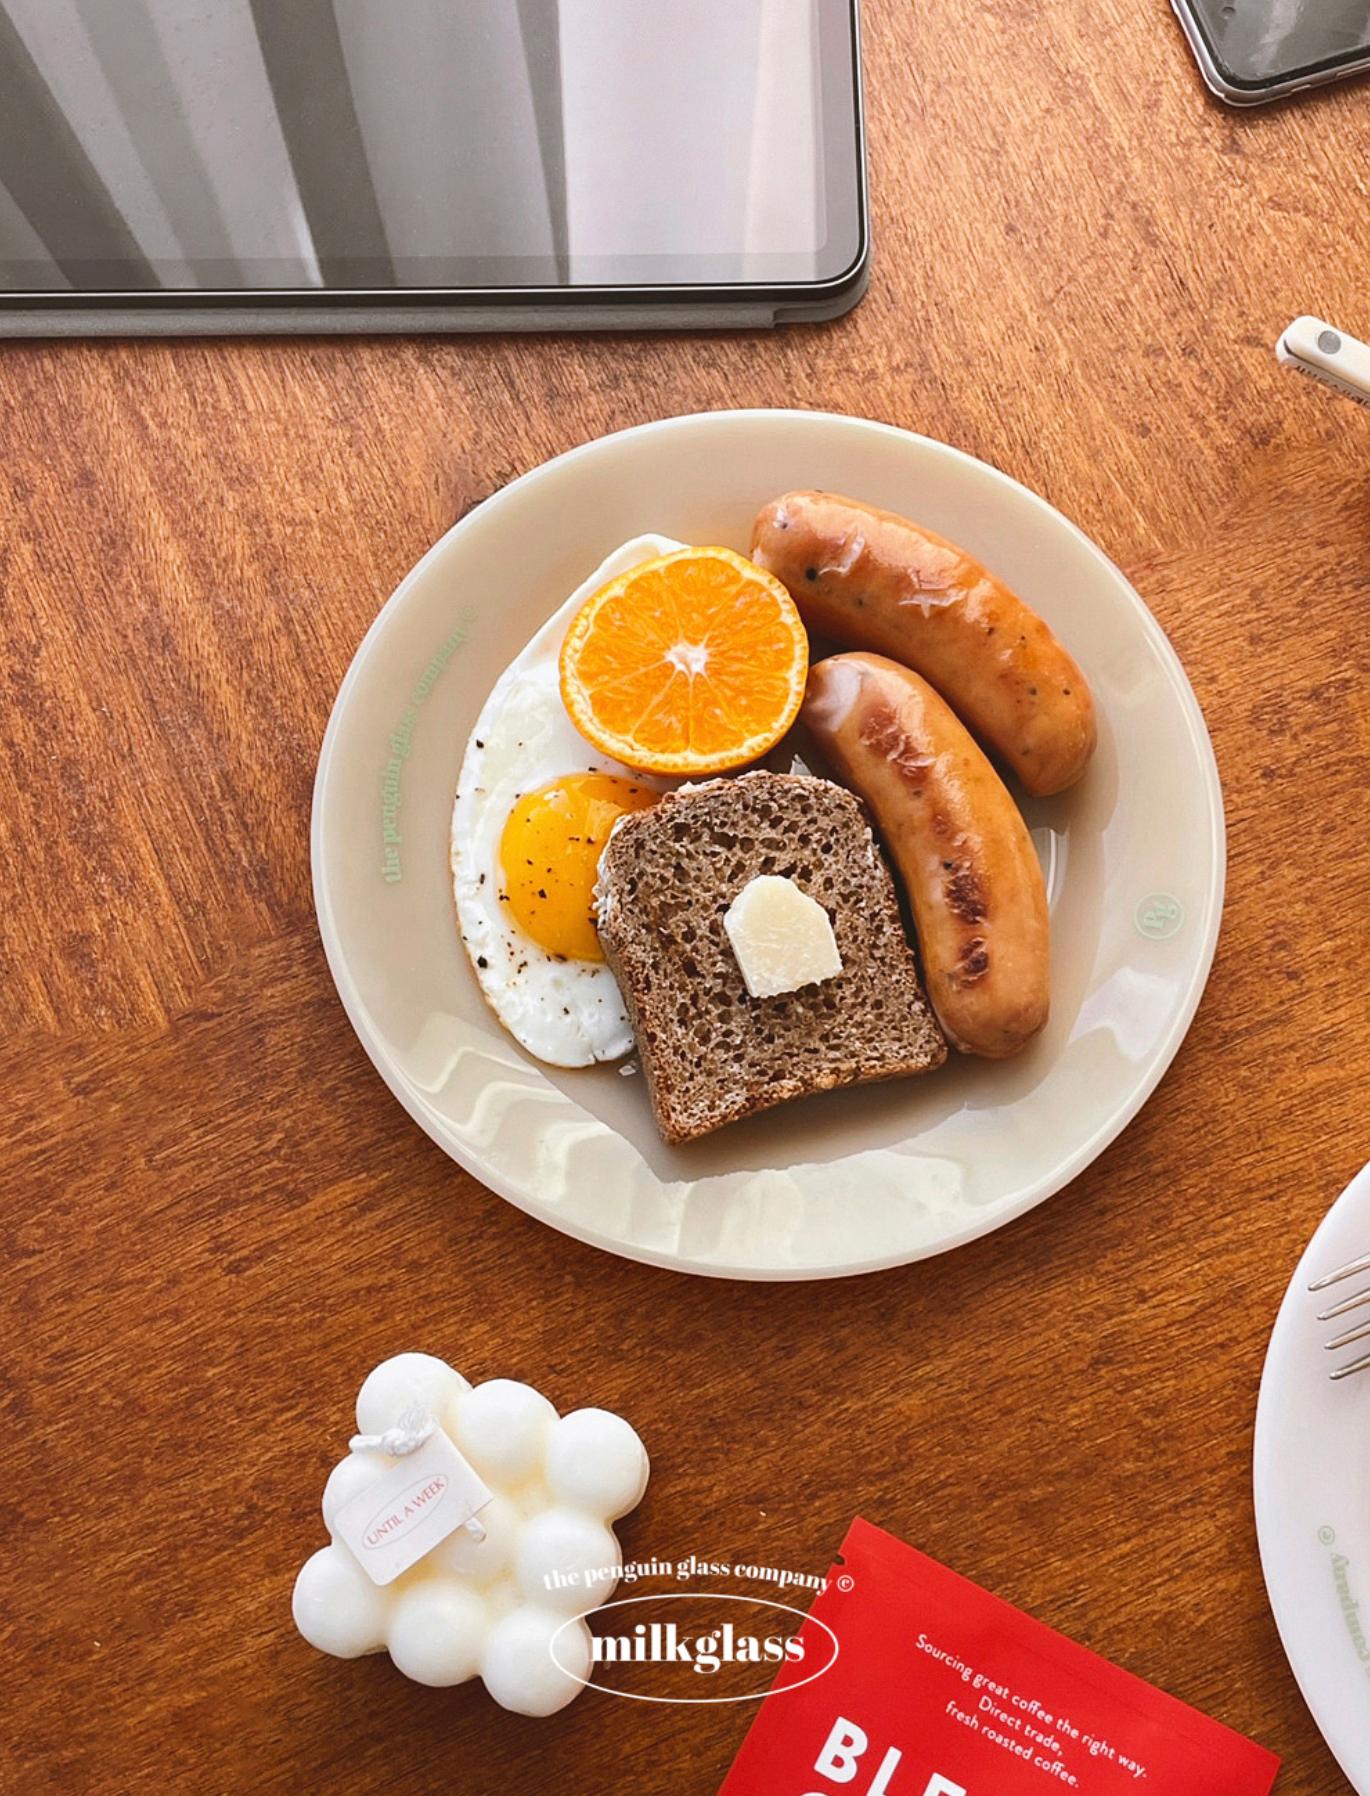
{"x": 414, "y": 1427}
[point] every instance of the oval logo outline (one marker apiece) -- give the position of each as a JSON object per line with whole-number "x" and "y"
{"x": 439, "y": 1478}
{"x": 686, "y": 1596}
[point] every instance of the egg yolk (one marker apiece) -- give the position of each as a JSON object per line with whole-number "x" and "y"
{"x": 550, "y": 851}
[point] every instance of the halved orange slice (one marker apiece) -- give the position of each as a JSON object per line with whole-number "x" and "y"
{"x": 692, "y": 663}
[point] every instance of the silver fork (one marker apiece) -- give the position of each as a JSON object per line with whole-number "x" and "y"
{"x": 1361, "y": 1331}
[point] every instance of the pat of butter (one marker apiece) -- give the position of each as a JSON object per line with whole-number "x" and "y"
{"x": 781, "y": 936}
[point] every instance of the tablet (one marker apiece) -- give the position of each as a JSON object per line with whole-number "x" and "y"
{"x": 202, "y": 165}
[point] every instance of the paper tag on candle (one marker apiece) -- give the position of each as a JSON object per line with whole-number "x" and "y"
{"x": 940, "y": 1689}
{"x": 427, "y": 1495}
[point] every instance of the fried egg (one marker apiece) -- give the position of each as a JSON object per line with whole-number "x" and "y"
{"x": 535, "y": 804}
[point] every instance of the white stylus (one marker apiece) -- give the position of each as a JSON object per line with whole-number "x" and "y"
{"x": 1313, "y": 347}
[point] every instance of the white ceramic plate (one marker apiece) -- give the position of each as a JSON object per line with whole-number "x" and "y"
{"x": 853, "y": 1180}
{"x": 1313, "y": 1490}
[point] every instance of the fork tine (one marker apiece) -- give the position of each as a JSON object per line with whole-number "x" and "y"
{"x": 1359, "y": 1333}
{"x": 1348, "y": 1271}
{"x": 1347, "y": 1303}
{"x": 1357, "y": 1365}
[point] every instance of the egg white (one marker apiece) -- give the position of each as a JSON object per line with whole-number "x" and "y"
{"x": 566, "y": 1012}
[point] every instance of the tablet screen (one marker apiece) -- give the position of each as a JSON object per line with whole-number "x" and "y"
{"x": 239, "y": 145}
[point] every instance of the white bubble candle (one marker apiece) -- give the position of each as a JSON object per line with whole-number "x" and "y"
{"x": 523, "y": 1500}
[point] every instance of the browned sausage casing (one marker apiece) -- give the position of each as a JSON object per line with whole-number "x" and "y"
{"x": 870, "y": 580}
{"x": 957, "y": 838}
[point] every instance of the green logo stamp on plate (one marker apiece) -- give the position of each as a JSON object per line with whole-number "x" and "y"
{"x": 399, "y": 743}
{"x": 1160, "y": 916}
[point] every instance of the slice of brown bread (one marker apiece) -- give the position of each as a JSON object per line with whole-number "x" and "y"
{"x": 712, "y": 1053}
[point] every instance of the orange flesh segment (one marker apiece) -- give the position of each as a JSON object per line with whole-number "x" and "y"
{"x": 692, "y": 663}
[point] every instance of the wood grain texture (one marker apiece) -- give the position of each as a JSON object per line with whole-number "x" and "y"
{"x": 217, "y": 1221}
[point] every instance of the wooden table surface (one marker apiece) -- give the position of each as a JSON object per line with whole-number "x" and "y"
{"x": 216, "y": 1218}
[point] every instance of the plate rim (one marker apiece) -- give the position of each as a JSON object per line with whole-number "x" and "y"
{"x": 1346, "y": 1751}
{"x": 1068, "y": 1169}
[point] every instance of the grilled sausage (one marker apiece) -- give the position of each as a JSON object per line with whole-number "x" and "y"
{"x": 957, "y": 839}
{"x": 867, "y": 579}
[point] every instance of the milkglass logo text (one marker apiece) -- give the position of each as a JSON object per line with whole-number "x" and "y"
{"x": 660, "y": 1643}
{"x": 697, "y": 1646}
